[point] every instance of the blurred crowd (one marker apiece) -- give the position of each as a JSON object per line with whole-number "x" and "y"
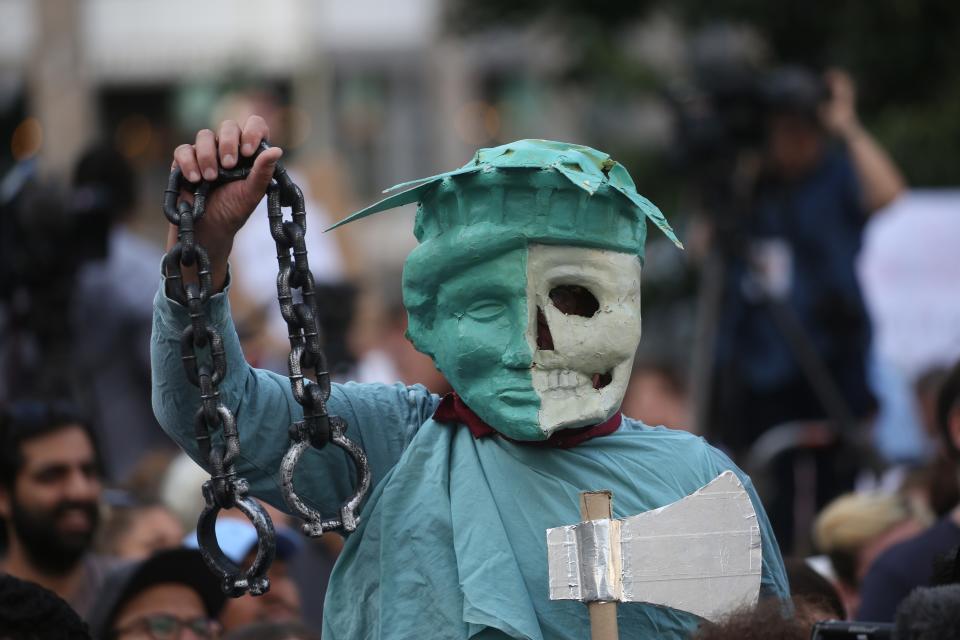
{"x": 99, "y": 510}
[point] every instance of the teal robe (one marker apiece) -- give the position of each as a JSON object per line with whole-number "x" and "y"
{"x": 452, "y": 540}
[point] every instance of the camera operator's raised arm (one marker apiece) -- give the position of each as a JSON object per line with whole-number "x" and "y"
{"x": 880, "y": 179}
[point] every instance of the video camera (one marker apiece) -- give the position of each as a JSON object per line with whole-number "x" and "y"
{"x": 47, "y": 231}
{"x": 725, "y": 112}
{"x": 838, "y": 630}
{"x": 46, "y": 234}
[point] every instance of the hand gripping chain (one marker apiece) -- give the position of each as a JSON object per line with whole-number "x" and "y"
{"x": 202, "y": 354}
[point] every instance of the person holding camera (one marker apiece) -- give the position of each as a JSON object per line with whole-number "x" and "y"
{"x": 793, "y": 333}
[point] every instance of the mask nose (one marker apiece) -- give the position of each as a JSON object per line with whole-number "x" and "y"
{"x": 517, "y": 355}
{"x": 517, "y": 359}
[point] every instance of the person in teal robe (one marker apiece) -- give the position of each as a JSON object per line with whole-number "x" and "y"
{"x": 451, "y": 541}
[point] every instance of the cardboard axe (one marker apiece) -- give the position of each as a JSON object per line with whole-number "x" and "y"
{"x": 700, "y": 554}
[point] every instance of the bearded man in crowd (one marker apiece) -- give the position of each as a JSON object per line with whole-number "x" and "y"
{"x": 50, "y": 492}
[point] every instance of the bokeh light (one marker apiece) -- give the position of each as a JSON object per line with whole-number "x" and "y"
{"x": 477, "y": 123}
{"x": 27, "y": 139}
{"x": 133, "y": 135}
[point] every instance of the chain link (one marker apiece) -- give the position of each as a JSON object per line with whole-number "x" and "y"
{"x": 204, "y": 360}
{"x": 205, "y": 365}
{"x": 318, "y": 427}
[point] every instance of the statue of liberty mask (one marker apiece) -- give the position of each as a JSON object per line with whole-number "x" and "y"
{"x": 525, "y": 287}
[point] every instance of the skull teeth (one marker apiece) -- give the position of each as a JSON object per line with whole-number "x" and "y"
{"x": 563, "y": 379}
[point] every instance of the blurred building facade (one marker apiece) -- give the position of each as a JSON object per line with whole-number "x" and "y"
{"x": 377, "y": 89}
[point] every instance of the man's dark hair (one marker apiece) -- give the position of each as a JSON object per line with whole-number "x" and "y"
{"x": 769, "y": 620}
{"x": 108, "y": 181}
{"x": 844, "y": 563}
{"x": 30, "y": 612}
{"x": 25, "y": 420}
{"x": 810, "y": 588}
{"x": 929, "y": 613}
{"x": 946, "y": 403}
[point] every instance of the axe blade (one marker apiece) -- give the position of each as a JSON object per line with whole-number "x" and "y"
{"x": 700, "y": 554}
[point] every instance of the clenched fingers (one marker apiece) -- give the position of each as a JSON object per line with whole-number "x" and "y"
{"x": 229, "y": 143}
{"x": 206, "y": 149}
{"x": 254, "y": 130}
{"x": 185, "y": 158}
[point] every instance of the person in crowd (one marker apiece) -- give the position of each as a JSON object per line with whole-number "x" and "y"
{"x": 910, "y": 564}
{"x": 134, "y": 531}
{"x": 791, "y": 294}
{"x": 766, "y": 621}
{"x": 238, "y": 540}
{"x": 110, "y": 314}
{"x": 929, "y": 613}
{"x": 50, "y": 490}
{"x": 935, "y": 482}
{"x": 273, "y": 631}
{"x": 814, "y": 598}
{"x": 657, "y": 394}
{"x": 386, "y": 353}
{"x": 30, "y": 612}
{"x": 145, "y": 482}
{"x": 180, "y": 490}
{"x": 856, "y": 528}
{"x": 171, "y": 595}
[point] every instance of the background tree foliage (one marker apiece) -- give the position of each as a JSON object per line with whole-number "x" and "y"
{"x": 904, "y": 54}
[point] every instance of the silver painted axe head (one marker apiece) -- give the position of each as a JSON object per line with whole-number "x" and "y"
{"x": 700, "y": 554}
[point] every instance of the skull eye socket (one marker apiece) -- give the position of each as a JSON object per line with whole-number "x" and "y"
{"x": 544, "y": 339}
{"x": 574, "y": 300}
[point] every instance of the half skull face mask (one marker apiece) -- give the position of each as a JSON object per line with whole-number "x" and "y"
{"x": 540, "y": 338}
{"x": 525, "y": 287}
{"x": 585, "y": 331}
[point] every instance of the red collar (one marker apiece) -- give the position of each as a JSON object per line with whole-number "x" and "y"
{"x": 452, "y": 410}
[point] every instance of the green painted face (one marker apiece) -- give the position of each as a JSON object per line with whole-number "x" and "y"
{"x": 479, "y": 342}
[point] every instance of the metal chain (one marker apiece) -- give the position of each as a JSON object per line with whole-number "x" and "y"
{"x": 203, "y": 357}
{"x": 205, "y": 364}
{"x": 303, "y": 327}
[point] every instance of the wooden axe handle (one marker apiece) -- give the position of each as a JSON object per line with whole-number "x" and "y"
{"x": 596, "y": 505}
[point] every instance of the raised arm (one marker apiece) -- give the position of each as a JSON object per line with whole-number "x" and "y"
{"x": 880, "y": 179}
{"x": 382, "y": 419}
